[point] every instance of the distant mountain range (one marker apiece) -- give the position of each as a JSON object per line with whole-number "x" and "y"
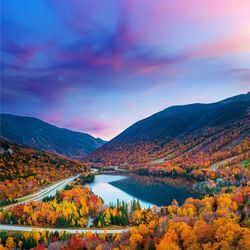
{"x": 175, "y": 120}
{"x": 35, "y": 133}
{"x": 175, "y": 126}
{"x": 174, "y": 123}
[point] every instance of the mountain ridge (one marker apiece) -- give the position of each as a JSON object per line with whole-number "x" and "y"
{"x": 175, "y": 107}
{"x": 36, "y": 133}
{"x": 172, "y": 123}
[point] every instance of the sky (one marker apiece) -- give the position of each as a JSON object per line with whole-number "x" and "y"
{"x": 99, "y": 66}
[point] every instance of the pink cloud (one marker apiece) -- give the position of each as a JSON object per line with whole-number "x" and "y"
{"x": 243, "y": 73}
{"x": 235, "y": 44}
{"x": 87, "y": 125}
{"x": 131, "y": 106}
{"x": 53, "y": 117}
{"x": 96, "y": 128}
{"x": 204, "y": 19}
{"x": 115, "y": 61}
{"x": 196, "y": 10}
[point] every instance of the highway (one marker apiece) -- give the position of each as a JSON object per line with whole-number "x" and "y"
{"x": 71, "y": 231}
{"x": 48, "y": 191}
{"x": 51, "y": 190}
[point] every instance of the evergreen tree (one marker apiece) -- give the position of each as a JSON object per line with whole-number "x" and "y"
{"x": 151, "y": 245}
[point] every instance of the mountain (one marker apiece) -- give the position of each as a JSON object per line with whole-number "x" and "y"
{"x": 35, "y": 133}
{"x": 170, "y": 128}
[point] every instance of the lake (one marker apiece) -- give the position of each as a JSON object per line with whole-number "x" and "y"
{"x": 150, "y": 191}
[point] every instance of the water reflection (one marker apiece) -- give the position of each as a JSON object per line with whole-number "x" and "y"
{"x": 149, "y": 190}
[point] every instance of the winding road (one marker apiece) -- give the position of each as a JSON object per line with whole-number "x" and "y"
{"x": 223, "y": 162}
{"x": 48, "y": 191}
{"x": 51, "y": 190}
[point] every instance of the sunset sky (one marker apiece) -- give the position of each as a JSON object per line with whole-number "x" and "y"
{"x": 98, "y": 66}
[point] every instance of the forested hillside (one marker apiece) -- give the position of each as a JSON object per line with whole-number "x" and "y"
{"x": 24, "y": 170}
{"x": 188, "y": 136}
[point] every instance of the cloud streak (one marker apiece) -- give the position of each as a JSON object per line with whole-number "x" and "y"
{"x": 56, "y": 53}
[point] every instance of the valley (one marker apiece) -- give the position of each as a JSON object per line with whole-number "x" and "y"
{"x": 146, "y": 187}
{"x": 125, "y": 125}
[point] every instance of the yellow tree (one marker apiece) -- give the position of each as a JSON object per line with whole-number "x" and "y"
{"x": 169, "y": 241}
{"x": 10, "y": 243}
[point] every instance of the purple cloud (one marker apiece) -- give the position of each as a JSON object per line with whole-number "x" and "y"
{"x": 87, "y": 125}
{"x": 66, "y": 62}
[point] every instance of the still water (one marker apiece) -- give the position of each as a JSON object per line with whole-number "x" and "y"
{"x": 150, "y": 191}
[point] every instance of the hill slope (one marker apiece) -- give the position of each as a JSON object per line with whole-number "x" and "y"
{"x": 25, "y": 170}
{"x": 32, "y": 132}
{"x": 179, "y": 127}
